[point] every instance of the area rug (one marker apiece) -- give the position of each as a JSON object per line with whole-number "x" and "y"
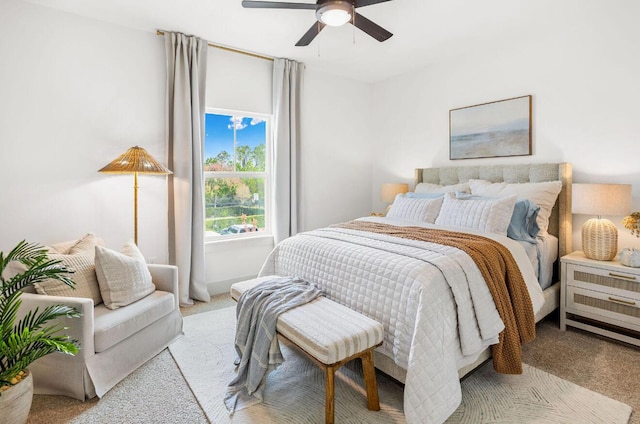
{"x": 295, "y": 391}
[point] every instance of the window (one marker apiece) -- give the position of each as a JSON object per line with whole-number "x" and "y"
{"x": 237, "y": 173}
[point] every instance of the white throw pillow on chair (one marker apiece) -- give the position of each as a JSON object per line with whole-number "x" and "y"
{"x": 123, "y": 276}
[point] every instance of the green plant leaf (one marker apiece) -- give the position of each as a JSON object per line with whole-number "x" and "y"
{"x": 38, "y": 333}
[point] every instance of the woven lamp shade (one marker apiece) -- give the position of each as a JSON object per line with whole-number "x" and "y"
{"x": 136, "y": 159}
{"x": 600, "y": 236}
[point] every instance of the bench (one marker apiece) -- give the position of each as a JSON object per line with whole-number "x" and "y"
{"x": 331, "y": 335}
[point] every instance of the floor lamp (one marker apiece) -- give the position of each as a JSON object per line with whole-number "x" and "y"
{"x": 135, "y": 161}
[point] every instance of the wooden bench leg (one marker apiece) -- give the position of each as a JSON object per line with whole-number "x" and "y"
{"x": 369, "y": 371}
{"x": 329, "y": 394}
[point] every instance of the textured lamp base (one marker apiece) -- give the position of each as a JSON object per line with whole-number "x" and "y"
{"x": 600, "y": 239}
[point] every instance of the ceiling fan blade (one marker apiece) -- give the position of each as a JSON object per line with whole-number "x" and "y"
{"x": 361, "y": 3}
{"x": 371, "y": 28}
{"x": 277, "y": 5}
{"x": 308, "y": 37}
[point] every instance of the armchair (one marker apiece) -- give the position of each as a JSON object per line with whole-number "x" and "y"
{"x": 113, "y": 343}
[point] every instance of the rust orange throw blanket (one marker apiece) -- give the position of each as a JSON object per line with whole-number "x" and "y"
{"x": 503, "y": 278}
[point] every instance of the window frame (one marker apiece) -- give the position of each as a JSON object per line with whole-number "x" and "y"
{"x": 266, "y": 174}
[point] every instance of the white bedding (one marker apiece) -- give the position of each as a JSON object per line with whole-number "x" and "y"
{"x": 437, "y": 312}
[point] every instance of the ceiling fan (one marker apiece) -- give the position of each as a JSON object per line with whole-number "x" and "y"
{"x": 329, "y": 12}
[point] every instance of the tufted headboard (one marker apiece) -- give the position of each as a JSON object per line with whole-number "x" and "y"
{"x": 560, "y": 220}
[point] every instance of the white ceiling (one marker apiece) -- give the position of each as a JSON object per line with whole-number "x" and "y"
{"x": 424, "y": 30}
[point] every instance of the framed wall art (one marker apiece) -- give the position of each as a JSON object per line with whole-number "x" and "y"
{"x": 488, "y": 130}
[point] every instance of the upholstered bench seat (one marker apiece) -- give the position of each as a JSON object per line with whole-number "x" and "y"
{"x": 328, "y": 331}
{"x": 332, "y": 335}
{"x": 240, "y": 287}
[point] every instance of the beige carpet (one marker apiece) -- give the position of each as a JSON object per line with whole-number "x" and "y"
{"x": 295, "y": 392}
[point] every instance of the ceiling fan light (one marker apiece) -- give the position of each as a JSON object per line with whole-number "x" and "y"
{"x": 335, "y": 14}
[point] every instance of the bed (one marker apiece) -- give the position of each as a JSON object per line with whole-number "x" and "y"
{"x": 439, "y": 322}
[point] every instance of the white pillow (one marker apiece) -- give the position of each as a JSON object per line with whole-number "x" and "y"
{"x": 491, "y": 215}
{"x": 123, "y": 276}
{"x": 77, "y": 255}
{"x": 415, "y": 209}
{"x": 437, "y": 188}
{"x": 84, "y": 276}
{"x": 543, "y": 194}
{"x": 85, "y": 244}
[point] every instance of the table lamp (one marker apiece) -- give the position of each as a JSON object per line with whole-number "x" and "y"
{"x": 599, "y": 235}
{"x": 135, "y": 161}
{"x": 389, "y": 191}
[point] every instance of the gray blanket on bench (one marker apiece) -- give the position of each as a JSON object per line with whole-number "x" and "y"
{"x": 256, "y": 342}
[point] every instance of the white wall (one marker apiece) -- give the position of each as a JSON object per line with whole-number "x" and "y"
{"x": 580, "y": 66}
{"x": 336, "y": 152}
{"x": 74, "y": 94}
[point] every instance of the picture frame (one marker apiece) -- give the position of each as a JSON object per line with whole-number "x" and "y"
{"x": 494, "y": 129}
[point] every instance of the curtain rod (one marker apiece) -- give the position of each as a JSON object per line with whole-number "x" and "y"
{"x": 230, "y": 49}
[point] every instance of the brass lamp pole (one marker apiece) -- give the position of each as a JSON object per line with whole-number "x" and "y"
{"x": 135, "y": 161}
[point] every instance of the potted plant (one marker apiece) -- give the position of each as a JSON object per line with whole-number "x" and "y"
{"x": 29, "y": 338}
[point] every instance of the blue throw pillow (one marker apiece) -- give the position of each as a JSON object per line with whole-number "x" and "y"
{"x": 413, "y": 195}
{"x": 524, "y": 225}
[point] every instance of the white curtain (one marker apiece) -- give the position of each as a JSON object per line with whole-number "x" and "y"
{"x": 287, "y": 85}
{"x": 186, "y": 78}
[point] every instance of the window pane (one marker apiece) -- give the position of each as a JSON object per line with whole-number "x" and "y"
{"x": 234, "y": 205}
{"x": 251, "y": 136}
{"x": 234, "y": 143}
{"x": 218, "y": 143}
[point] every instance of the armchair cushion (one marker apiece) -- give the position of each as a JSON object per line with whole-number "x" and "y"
{"x": 113, "y": 326}
{"x": 123, "y": 277}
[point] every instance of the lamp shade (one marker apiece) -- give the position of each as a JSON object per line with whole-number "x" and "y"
{"x": 601, "y": 199}
{"x": 136, "y": 159}
{"x": 600, "y": 236}
{"x": 389, "y": 191}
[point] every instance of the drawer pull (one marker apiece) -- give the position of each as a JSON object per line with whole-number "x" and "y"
{"x": 626, "y": 277}
{"x": 626, "y": 302}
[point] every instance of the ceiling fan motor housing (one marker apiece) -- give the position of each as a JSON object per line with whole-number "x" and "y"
{"x": 334, "y": 12}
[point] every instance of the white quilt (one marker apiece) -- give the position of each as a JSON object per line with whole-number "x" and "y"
{"x": 437, "y": 312}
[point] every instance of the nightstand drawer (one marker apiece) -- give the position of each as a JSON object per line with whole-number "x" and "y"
{"x": 618, "y": 310}
{"x": 600, "y": 296}
{"x": 617, "y": 283}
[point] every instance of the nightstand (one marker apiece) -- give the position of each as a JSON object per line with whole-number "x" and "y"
{"x": 600, "y": 296}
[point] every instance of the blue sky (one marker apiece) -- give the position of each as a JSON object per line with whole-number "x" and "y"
{"x": 219, "y": 133}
